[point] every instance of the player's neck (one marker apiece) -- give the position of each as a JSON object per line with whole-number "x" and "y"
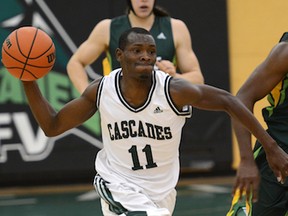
{"x": 146, "y": 22}
{"x": 135, "y": 93}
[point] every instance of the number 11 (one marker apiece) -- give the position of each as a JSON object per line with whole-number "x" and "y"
{"x": 149, "y": 157}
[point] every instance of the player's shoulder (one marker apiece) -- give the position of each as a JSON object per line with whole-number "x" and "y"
{"x": 101, "y": 28}
{"x": 178, "y": 23}
{"x": 92, "y": 89}
{"x": 105, "y": 23}
{"x": 179, "y": 29}
{"x": 280, "y": 50}
{"x": 282, "y": 45}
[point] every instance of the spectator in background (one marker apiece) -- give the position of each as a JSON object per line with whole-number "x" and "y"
{"x": 174, "y": 44}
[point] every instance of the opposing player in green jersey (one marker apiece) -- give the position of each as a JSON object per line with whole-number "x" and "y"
{"x": 269, "y": 78}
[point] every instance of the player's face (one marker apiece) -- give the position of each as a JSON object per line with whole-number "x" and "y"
{"x": 139, "y": 56}
{"x": 143, "y": 8}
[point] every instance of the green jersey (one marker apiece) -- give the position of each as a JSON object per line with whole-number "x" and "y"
{"x": 276, "y": 115}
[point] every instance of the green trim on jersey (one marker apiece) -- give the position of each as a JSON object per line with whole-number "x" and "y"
{"x": 257, "y": 151}
{"x": 277, "y": 97}
{"x": 105, "y": 194}
{"x": 276, "y": 115}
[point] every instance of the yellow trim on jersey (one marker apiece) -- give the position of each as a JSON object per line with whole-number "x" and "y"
{"x": 276, "y": 93}
{"x": 107, "y": 64}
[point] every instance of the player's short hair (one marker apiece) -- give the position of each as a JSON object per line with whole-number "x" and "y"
{"x": 123, "y": 40}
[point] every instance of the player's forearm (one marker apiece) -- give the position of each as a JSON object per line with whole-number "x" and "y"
{"x": 244, "y": 141}
{"x": 41, "y": 109}
{"x": 248, "y": 120}
{"x": 78, "y": 76}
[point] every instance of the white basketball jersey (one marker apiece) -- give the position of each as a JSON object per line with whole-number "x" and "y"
{"x": 140, "y": 145}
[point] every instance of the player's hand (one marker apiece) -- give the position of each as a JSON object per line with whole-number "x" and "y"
{"x": 247, "y": 180}
{"x": 166, "y": 66}
{"x": 278, "y": 161}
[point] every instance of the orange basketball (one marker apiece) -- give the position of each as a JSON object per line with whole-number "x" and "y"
{"x": 28, "y": 53}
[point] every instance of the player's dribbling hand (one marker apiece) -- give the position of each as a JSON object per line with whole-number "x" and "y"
{"x": 166, "y": 66}
{"x": 278, "y": 161}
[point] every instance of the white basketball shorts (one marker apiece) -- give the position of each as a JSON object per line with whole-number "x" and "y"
{"x": 128, "y": 199}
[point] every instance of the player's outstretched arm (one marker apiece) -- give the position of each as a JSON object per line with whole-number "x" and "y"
{"x": 71, "y": 115}
{"x": 210, "y": 98}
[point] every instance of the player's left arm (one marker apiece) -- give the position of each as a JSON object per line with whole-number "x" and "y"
{"x": 210, "y": 98}
{"x": 187, "y": 60}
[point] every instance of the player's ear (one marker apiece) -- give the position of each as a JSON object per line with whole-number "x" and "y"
{"x": 118, "y": 54}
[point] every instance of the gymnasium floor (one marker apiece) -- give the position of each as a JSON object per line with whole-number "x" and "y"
{"x": 196, "y": 197}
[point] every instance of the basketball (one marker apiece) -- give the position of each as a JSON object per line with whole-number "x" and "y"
{"x": 28, "y": 53}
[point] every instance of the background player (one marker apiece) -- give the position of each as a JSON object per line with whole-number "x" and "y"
{"x": 174, "y": 44}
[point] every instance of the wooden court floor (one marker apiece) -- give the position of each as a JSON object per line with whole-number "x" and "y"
{"x": 196, "y": 197}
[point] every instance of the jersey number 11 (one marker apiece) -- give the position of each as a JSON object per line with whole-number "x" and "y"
{"x": 149, "y": 157}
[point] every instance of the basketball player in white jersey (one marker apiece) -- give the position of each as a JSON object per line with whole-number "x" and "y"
{"x": 142, "y": 114}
